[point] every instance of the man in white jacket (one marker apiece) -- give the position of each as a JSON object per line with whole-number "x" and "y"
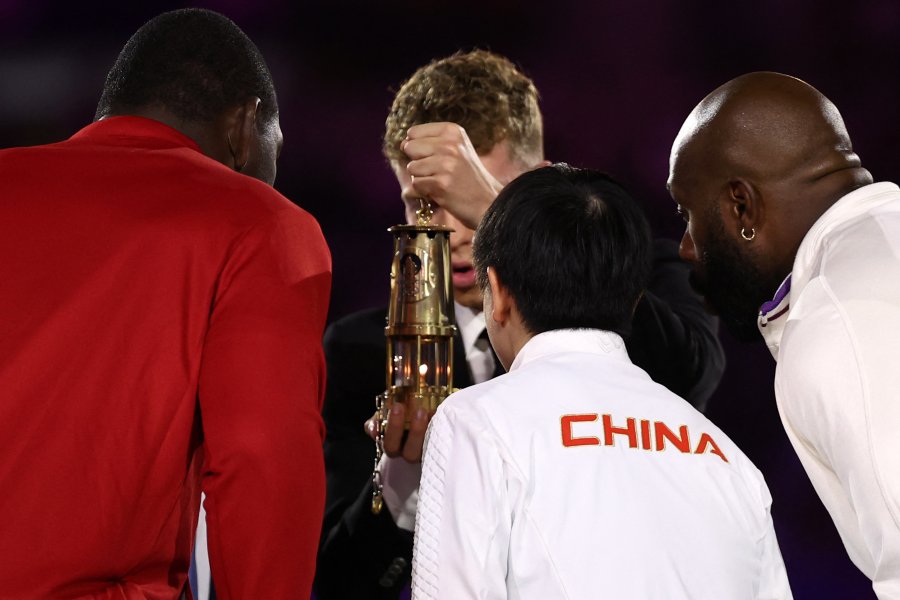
{"x": 575, "y": 475}
{"x": 777, "y": 203}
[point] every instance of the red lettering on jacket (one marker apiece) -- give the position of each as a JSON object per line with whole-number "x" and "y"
{"x": 663, "y": 433}
{"x": 609, "y": 431}
{"x": 646, "y": 439}
{"x": 650, "y": 431}
{"x": 568, "y": 440}
{"x": 706, "y": 440}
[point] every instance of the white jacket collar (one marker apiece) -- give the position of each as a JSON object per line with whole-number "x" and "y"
{"x": 773, "y": 315}
{"x": 594, "y": 341}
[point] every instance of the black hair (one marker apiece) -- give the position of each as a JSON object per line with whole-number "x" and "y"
{"x": 193, "y": 62}
{"x": 570, "y": 245}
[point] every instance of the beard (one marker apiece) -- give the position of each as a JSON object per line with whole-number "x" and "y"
{"x": 733, "y": 285}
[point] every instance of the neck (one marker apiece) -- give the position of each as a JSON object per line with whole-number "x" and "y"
{"x": 517, "y": 335}
{"x": 825, "y": 191}
{"x": 204, "y": 134}
{"x": 809, "y": 205}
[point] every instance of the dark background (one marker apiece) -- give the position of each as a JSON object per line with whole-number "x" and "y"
{"x": 617, "y": 79}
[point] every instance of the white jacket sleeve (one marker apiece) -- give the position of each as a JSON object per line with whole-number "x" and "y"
{"x": 463, "y": 521}
{"x": 773, "y": 581}
{"x": 841, "y": 376}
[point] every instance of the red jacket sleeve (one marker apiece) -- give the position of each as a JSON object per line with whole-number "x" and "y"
{"x": 260, "y": 391}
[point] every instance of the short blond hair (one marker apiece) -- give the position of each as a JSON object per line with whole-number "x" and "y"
{"x": 482, "y": 92}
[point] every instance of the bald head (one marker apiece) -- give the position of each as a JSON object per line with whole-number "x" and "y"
{"x": 769, "y": 127}
{"x": 754, "y": 166}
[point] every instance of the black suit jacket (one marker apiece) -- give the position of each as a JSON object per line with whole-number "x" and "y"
{"x": 366, "y": 556}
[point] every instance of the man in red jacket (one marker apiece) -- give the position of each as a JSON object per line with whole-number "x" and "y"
{"x": 161, "y": 311}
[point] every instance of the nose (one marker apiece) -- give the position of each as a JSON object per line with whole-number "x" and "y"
{"x": 686, "y": 249}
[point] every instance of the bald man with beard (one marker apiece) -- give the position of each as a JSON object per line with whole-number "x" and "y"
{"x": 789, "y": 236}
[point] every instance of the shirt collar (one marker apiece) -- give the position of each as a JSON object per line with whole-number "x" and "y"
{"x": 591, "y": 341}
{"x": 470, "y": 323}
{"x": 773, "y": 315}
{"x": 151, "y": 133}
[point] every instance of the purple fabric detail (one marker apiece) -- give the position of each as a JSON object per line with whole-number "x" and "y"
{"x": 780, "y": 295}
{"x": 769, "y": 319}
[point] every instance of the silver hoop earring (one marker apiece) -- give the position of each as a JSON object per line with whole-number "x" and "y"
{"x": 750, "y": 237}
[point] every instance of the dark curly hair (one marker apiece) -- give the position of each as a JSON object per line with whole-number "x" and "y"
{"x": 482, "y": 92}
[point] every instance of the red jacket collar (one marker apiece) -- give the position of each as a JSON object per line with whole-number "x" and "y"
{"x": 152, "y": 133}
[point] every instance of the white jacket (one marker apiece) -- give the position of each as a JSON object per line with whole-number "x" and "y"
{"x": 834, "y": 328}
{"x": 576, "y": 476}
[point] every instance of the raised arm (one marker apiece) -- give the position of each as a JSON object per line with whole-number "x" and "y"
{"x": 446, "y": 169}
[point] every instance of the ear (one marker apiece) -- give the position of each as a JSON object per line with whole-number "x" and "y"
{"x": 501, "y": 300}
{"x": 744, "y": 210}
{"x": 240, "y": 131}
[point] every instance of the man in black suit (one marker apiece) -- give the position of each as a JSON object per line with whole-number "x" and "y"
{"x": 458, "y": 131}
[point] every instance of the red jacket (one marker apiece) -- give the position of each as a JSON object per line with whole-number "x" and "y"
{"x": 160, "y": 328}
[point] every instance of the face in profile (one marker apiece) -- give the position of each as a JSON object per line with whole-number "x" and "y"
{"x": 724, "y": 269}
{"x": 730, "y": 282}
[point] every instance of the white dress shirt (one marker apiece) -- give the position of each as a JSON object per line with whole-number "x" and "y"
{"x": 834, "y": 328}
{"x": 575, "y": 476}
